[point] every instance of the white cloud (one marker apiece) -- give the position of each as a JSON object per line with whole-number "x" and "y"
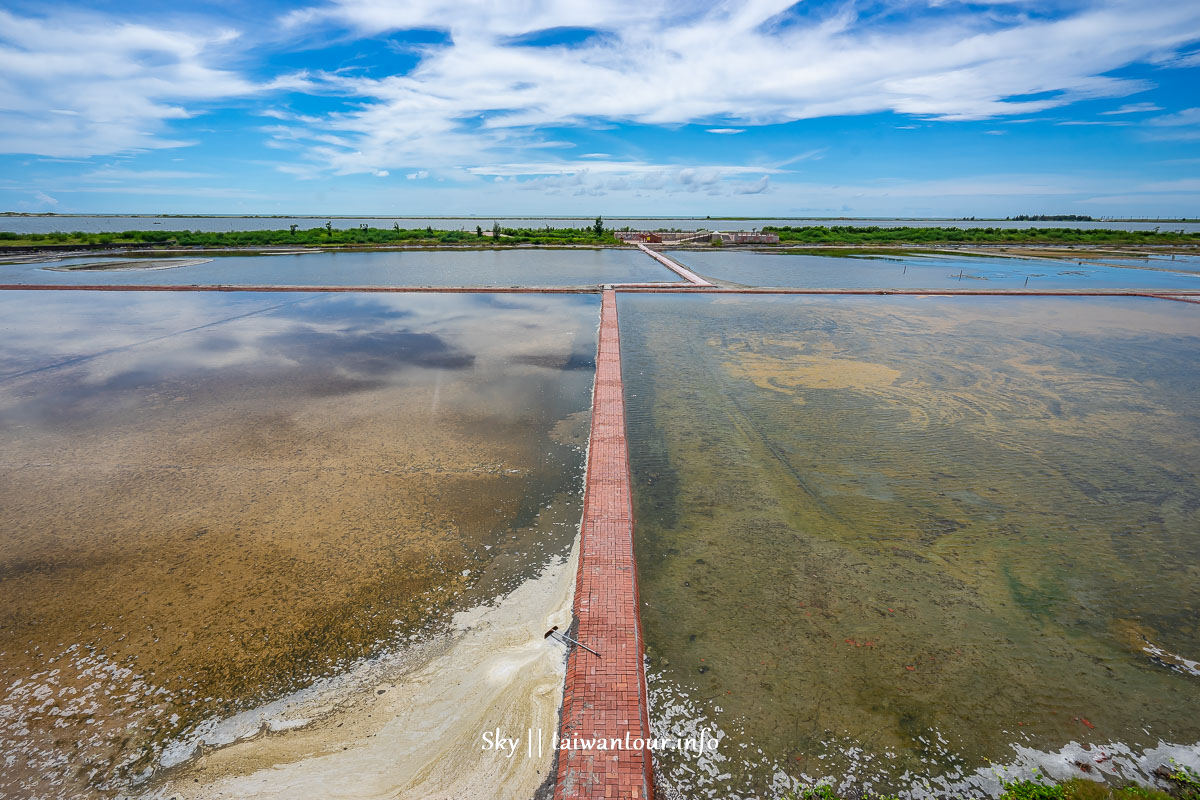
{"x": 80, "y": 85}
{"x": 608, "y": 168}
{"x": 478, "y": 106}
{"x": 1182, "y": 126}
{"x": 1189, "y": 116}
{"x": 118, "y": 174}
{"x": 1179, "y": 185}
{"x": 481, "y": 100}
{"x": 758, "y": 187}
{"x": 1133, "y": 108}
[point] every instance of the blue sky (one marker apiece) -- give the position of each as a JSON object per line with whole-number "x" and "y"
{"x": 480, "y": 107}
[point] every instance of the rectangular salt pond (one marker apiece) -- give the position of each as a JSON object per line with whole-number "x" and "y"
{"x": 784, "y": 270}
{"x": 433, "y": 268}
{"x": 222, "y": 496}
{"x": 908, "y": 544}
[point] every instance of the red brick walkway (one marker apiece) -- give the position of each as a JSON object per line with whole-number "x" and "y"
{"x": 606, "y": 696}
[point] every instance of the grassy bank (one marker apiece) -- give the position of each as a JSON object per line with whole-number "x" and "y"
{"x": 316, "y": 237}
{"x": 851, "y": 235}
{"x": 328, "y": 236}
{"x": 1182, "y": 783}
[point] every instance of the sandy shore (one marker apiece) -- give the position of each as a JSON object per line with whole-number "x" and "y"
{"x": 405, "y": 726}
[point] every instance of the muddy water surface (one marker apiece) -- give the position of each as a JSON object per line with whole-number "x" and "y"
{"x": 943, "y": 271}
{"x": 901, "y": 543}
{"x": 202, "y": 515}
{"x": 511, "y": 267}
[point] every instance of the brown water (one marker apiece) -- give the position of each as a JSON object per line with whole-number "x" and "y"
{"x": 911, "y": 544}
{"x": 200, "y": 515}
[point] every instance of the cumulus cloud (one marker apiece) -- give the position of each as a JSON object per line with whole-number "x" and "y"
{"x": 80, "y": 85}
{"x": 758, "y": 187}
{"x": 481, "y": 98}
{"x": 490, "y": 98}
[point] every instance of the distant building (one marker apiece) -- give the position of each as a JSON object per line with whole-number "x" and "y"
{"x": 639, "y": 236}
{"x": 741, "y": 237}
{"x": 680, "y": 237}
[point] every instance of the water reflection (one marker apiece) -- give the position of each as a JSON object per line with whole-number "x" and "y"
{"x": 926, "y": 272}
{"x": 889, "y": 541}
{"x": 201, "y": 515}
{"x": 484, "y": 268}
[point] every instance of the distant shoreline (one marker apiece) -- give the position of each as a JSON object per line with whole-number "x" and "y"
{"x": 475, "y": 217}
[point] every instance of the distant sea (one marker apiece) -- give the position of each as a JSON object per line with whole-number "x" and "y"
{"x": 107, "y": 224}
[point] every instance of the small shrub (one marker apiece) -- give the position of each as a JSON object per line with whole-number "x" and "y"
{"x": 1083, "y": 789}
{"x": 1186, "y": 781}
{"x": 1135, "y": 792}
{"x": 1032, "y": 790}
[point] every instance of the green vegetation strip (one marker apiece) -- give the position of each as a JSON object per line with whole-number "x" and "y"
{"x": 326, "y": 236}
{"x": 1183, "y": 783}
{"x": 594, "y": 235}
{"x": 873, "y": 235}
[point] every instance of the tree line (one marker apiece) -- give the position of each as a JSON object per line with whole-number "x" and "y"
{"x": 324, "y": 236}
{"x": 872, "y": 234}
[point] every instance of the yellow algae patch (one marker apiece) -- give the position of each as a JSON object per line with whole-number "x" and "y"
{"x": 785, "y": 365}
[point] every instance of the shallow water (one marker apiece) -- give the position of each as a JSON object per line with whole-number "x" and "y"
{"x": 1182, "y": 262}
{"x": 924, "y": 272}
{"x": 893, "y": 542}
{"x": 228, "y": 496}
{"x": 484, "y": 268}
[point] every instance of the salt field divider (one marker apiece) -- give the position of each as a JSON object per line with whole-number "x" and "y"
{"x": 1183, "y": 295}
{"x": 604, "y": 697}
{"x": 675, "y": 267}
{"x": 229, "y": 287}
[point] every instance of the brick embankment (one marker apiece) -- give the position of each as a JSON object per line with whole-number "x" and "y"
{"x": 605, "y": 695}
{"x": 1173, "y": 294}
{"x": 675, "y": 267}
{"x": 225, "y": 287}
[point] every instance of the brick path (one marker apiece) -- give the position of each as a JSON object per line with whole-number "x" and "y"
{"x": 606, "y": 696}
